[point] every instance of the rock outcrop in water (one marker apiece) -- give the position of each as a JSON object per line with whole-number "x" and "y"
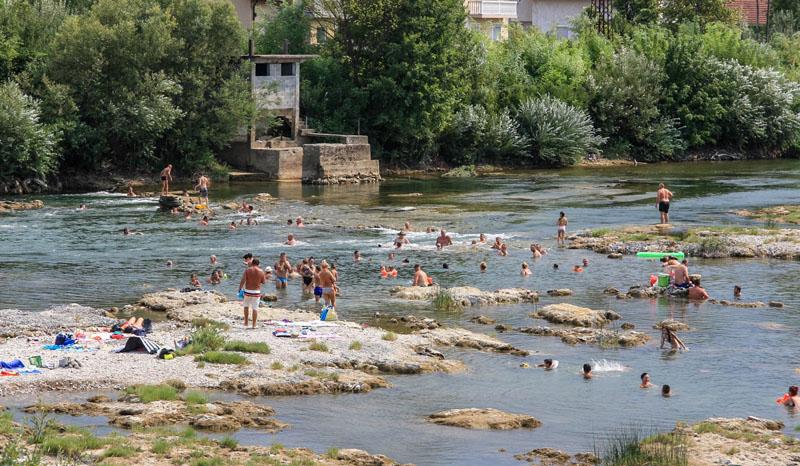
{"x": 476, "y": 418}
{"x": 742, "y": 441}
{"x": 14, "y": 206}
{"x": 697, "y": 242}
{"x": 593, "y": 336}
{"x": 130, "y": 413}
{"x": 466, "y": 296}
{"x": 553, "y": 457}
{"x": 569, "y": 314}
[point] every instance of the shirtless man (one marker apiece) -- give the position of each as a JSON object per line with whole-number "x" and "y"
{"x": 482, "y": 238}
{"x": 420, "y": 277}
{"x": 282, "y": 270}
{"x": 290, "y": 241}
{"x": 645, "y": 381}
{"x": 166, "y": 177}
{"x": 131, "y": 193}
{"x": 443, "y": 240}
{"x": 663, "y": 197}
{"x": 535, "y": 251}
{"x": 202, "y": 188}
{"x": 401, "y": 240}
{"x": 680, "y": 273}
{"x": 327, "y": 281}
{"x": 498, "y": 243}
{"x": 407, "y": 227}
{"x": 697, "y": 292}
{"x": 251, "y": 282}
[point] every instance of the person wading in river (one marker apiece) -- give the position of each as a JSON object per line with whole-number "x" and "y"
{"x": 166, "y": 177}
{"x": 252, "y": 279}
{"x": 327, "y": 281}
{"x": 663, "y": 198}
{"x": 202, "y": 188}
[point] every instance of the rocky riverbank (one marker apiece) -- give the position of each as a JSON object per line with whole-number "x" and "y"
{"x": 466, "y": 296}
{"x": 743, "y": 441}
{"x": 14, "y": 206}
{"x": 714, "y": 242}
{"x": 317, "y": 357}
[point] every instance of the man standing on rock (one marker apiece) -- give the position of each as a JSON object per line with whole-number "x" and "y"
{"x": 327, "y": 281}
{"x": 202, "y": 188}
{"x": 252, "y": 279}
{"x": 166, "y": 177}
{"x": 663, "y": 197}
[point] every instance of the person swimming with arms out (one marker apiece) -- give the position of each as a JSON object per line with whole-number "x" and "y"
{"x": 549, "y": 364}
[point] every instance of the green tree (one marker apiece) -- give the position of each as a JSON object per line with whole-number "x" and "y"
{"x": 701, "y": 12}
{"x": 400, "y": 66}
{"x": 26, "y": 31}
{"x": 625, "y": 94}
{"x": 27, "y": 146}
{"x": 636, "y": 12}
{"x": 292, "y": 24}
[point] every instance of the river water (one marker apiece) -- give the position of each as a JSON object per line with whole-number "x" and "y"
{"x": 739, "y": 361}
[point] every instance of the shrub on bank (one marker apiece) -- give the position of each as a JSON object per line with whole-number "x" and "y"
{"x": 221, "y": 357}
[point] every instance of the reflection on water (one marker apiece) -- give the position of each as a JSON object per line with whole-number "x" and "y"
{"x": 739, "y": 360}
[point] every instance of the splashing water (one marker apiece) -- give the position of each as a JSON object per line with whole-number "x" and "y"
{"x": 605, "y": 365}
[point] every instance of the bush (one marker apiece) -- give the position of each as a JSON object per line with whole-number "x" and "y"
{"x": 276, "y": 366}
{"x": 444, "y": 302}
{"x": 119, "y": 451}
{"x": 195, "y": 398}
{"x": 389, "y": 336}
{"x": 207, "y": 338}
{"x": 323, "y": 375}
{"x": 220, "y": 357}
{"x": 475, "y": 135}
{"x": 27, "y": 146}
{"x": 560, "y": 134}
{"x": 632, "y": 447}
{"x": 150, "y": 393}
{"x": 201, "y": 322}
{"x": 228, "y": 442}
{"x": 247, "y": 347}
{"x": 625, "y": 91}
{"x": 355, "y": 346}
{"x": 161, "y": 447}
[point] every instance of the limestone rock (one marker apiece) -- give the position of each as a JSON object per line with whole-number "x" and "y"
{"x": 502, "y": 327}
{"x": 615, "y": 255}
{"x": 627, "y": 326}
{"x": 12, "y": 206}
{"x": 775, "y": 304}
{"x": 670, "y": 324}
{"x": 169, "y": 300}
{"x": 564, "y": 313}
{"x": 466, "y": 296}
{"x": 595, "y": 336}
{"x": 485, "y": 418}
{"x": 560, "y": 292}
{"x": 483, "y": 320}
{"x": 356, "y": 457}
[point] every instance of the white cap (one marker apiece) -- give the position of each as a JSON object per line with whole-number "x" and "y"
{"x": 268, "y": 269}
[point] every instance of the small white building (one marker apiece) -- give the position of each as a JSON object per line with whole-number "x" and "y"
{"x": 275, "y": 85}
{"x": 553, "y": 16}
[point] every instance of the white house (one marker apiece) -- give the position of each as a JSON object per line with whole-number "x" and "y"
{"x": 553, "y": 16}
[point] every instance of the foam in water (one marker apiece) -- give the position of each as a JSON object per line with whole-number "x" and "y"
{"x": 605, "y": 365}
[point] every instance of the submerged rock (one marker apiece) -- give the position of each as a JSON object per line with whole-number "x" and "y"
{"x": 466, "y": 296}
{"x": 670, "y": 324}
{"x": 482, "y": 320}
{"x": 595, "y": 336}
{"x": 485, "y": 418}
{"x": 12, "y": 206}
{"x": 553, "y": 457}
{"x": 564, "y": 313}
{"x": 560, "y": 292}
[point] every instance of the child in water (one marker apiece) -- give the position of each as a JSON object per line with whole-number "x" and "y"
{"x": 525, "y": 270}
{"x": 587, "y": 371}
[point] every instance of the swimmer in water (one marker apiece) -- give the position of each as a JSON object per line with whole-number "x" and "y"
{"x": 645, "y": 381}
{"x": 407, "y": 227}
{"x": 791, "y": 399}
{"x": 82, "y": 207}
{"x": 356, "y": 256}
{"x": 130, "y": 192}
{"x": 213, "y": 260}
{"x": 204, "y": 221}
{"x": 498, "y": 243}
{"x": 549, "y": 364}
{"x": 126, "y": 231}
{"x": 392, "y": 272}
{"x": 187, "y": 216}
{"x": 384, "y": 272}
{"x": 289, "y": 222}
{"x": 697, "y": 292}
{"x": 525, "y": 270}
{"x": 392, "y": 256}
{"x": 555, "y": 266}
{"x": 666, "y": 391}
{"x": 194, "y": 281}
{"x": 169, "y": 264}
{"x": 216, "y": 277}
{"x": 299, "y": 222}
{"x": 420, "y": 277}
{"x": 587, "y": 371}
{"x": 585, "y": 262}
{"x": 401, "y": 240}
{"x": 482, "y": 238}
{"x": 577, "y": 269}
{"x": 232, "y": 226}
{"x": 443, "y": 240}
{"x": 483, "y": 267}
{"x": 503, "y": 250}
{"x": 737, "y": 292}
{"x": 290, "y": 241}
{"x": 535, "y": 252}
{"x": 562, "y": 228}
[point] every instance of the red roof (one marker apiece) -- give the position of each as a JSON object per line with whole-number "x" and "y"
{"x": 753, "y": 11}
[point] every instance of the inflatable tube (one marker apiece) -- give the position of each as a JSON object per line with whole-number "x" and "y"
{"x": 659, "y": 255}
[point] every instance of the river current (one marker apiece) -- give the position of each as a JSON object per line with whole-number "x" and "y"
{"x": 739, "y": 360}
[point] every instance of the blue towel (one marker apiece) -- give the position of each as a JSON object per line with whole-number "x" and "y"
{"x": 15, "y": 364}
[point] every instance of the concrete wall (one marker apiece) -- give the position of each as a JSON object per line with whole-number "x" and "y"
{"x": 244, "y": 12}
{"x": 550, "y": 15}
{"x": 276, "y": 91}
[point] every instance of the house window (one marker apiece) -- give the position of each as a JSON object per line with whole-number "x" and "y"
{"x": 287, "y": 69}
{"x": 497, "y": 31}
{"x": 563, "y": 32}
{"x": 322, "y": 35}
{"x": 262, "y": 69}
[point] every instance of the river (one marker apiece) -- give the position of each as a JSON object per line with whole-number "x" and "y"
{"x": 739, "y": 360}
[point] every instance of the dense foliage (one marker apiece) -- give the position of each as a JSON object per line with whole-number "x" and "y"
{"x": 27, "y": 146}
{"x": 129, "y": 84}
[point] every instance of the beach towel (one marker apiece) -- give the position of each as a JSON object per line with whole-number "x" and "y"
{"x": 140, "y": 344}
{"x": 15, "y": 364}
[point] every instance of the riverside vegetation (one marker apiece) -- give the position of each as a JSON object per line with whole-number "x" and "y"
{"x": 120, "y": 86}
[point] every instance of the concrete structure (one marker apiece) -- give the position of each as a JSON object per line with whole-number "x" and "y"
{"x": 553, "y": 16}
{"x": 275, "y": 85}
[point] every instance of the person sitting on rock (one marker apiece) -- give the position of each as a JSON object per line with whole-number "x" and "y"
{"x": 587, "y": 371}
{"x": 697, "y": 292}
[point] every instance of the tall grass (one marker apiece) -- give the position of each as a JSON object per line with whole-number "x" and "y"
{"x": 150, "y": 393}
{"x": 247, "y": 347}
{"x": 444, "y": 302}
{"x": 632, "y": 447}
{"x": 221, "y": 357}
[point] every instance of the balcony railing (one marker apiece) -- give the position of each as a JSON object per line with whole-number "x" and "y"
{"x": 492, "y": 8}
